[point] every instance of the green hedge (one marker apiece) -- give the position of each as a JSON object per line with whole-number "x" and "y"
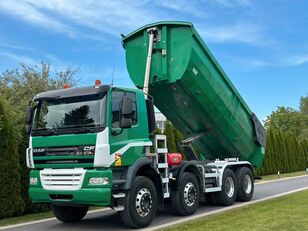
{"x": 283, "y": 153}
{"x": 11, "y": 202}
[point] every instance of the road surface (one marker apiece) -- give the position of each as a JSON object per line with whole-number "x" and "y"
{"x": 109, "y": 220}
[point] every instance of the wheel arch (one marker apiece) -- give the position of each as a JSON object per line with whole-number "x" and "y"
{"x": 190, "y": 166}
{"x": 235, "y": 166}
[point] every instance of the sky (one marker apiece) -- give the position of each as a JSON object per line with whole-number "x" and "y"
{"x": 262, "y": 45}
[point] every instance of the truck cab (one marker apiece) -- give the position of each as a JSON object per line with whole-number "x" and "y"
{"x": 82, "y": 140}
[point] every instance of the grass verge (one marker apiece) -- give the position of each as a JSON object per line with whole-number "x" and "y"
{"x": 281, "y": 176}
{"x": 285, "y": 213}
{"x": 25, "y": 218}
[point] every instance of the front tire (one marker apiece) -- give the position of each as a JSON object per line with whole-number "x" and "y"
{"x": 140, "y": 205}
{"x": 185, "y": 200}
{"x": 245, "y": 182}
{"x": 69, "y": 213}
{"x": 228, "y": 192}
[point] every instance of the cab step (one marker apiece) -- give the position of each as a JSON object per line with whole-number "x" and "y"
{"x": 118, "y": 195}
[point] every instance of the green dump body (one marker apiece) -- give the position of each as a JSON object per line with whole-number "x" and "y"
{"x": 190, "y": 88}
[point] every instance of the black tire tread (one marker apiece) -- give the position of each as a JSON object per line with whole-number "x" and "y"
{"x": 241, "y": 194}
{"x": 126, "y": 215}
{"x": 176, "y": 200}
{"x": 220, "y": 197}
{"x": 68, "y": 214}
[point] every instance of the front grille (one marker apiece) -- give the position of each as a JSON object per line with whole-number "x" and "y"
{"x": 61, "y": 161}
{"x": 83, "y": 150}
{"x": 77, "y": 156}
{"x": 62, "y": 179}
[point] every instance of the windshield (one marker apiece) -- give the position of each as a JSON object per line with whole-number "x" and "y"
{"x": 70, "y": 113}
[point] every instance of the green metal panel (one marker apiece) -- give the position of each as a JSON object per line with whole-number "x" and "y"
{"x": 136, "y": 134}
{"x": 64, "y": 140}
{"x": 191, "y": 89}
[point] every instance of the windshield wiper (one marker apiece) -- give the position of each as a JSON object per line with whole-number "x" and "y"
{"x": 81, "y": 129}
{"x": 49, "y": 131}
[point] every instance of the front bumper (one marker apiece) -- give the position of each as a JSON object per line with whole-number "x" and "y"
{"x": 87, "y": 194}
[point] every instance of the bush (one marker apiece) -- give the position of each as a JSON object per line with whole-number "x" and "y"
{"x": 11, "y": 202}
{"x": 284, "y": 153}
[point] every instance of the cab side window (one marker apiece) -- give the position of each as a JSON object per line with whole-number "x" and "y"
{"x": 116, "y": 107}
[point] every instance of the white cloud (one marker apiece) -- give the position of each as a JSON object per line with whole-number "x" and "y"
{"x": 183, "y": 7}
{"x": 15, "y": 47}
{"x": 233, "y": 3}
{"x": 19, "y": 58}
{"x": 111, "y": 17}
{"x": 296, "y": 60}
{"x": 241, "y": 32}
{"x": 28, "y": 12}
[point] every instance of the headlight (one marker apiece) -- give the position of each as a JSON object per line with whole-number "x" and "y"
{"x": 99, "y": 180}
{"x": 33, "y": 180}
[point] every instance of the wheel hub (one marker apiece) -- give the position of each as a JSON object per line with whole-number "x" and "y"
{"x": 247, "y": 184}
{"x": 230, "y": 187}
{"x": 190, "y": 194}
{"x": 143, "y": 202}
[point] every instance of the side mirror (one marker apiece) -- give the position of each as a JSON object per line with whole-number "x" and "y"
{"x": 126, "y": 112}
{"x": 29, "y": 113}
{"x": 28, "y": 129}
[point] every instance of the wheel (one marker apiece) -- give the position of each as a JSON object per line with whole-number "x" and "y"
{"x": 69, "y": 213}
{"x": 228, "y": 192}
{"x": 245, "y": 183}
{"x": 140, "y": 205}
{"x": 185, "y": 200}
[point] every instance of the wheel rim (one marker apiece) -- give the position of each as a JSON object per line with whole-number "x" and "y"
{"x": 230, "y": 186}
{"x": 247, "y": 184}
{"x": 190, "y": 194}
{"x": 143, "y": 202}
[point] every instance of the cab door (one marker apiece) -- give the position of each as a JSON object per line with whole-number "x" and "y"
{"x": 126, "y": 144}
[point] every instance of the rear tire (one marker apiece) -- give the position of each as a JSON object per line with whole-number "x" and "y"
{"x": 228, "y": 192}
{"x": 185, "y": 200}
{"x": 69, "y": 213}
{"x": 245, "y": 183}
{"x": 140, "y": 205}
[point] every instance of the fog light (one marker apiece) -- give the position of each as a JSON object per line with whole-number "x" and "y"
{"x": 99, "y": 180}
{"x": 33, "y": 180}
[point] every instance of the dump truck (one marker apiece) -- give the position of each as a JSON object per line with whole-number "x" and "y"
{"x": 96, "y": 145}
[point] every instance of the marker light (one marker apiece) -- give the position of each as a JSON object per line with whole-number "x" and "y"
{"x": 65, "y": 86}
{"x": 98, "y": 82}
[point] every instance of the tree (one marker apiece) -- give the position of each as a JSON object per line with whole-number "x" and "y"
{"x": 11, "y": 202}
{"x": 304, "y": 105}
{"x": 169, "y": 132}
{"x": 18, "y": 87}
{"x": 287, "y": 119}
{"x": 178, "y": 137}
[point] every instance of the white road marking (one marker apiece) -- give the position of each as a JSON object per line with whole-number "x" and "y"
{"x": 182, "y": 220}
{"x": 286, "y": 178}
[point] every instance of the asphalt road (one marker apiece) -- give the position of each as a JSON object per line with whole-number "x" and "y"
{"x": 109, "y": 220}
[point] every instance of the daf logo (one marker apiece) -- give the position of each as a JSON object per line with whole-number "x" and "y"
{"x": 88, "y": 148}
